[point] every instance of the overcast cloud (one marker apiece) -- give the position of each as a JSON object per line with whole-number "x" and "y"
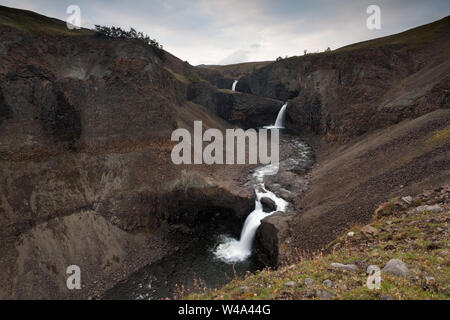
{"x": 225, "y": 32}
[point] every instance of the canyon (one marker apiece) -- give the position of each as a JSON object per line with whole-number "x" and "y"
{"x": 85, "y": 150}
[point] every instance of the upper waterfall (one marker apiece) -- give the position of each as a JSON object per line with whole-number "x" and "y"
{"x": 279, "y": 122}
{"x": 233, "y": 87}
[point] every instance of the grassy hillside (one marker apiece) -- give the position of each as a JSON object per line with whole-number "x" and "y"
{"x": 33, "y": 23}
{"x": 416, "y": 37}
{"x": 407, "y": 229}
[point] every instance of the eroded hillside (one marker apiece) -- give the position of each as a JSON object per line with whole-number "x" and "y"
{"x": 86, "y": 174}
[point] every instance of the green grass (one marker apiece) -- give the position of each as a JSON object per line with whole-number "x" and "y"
{"x": 36, "y": 24}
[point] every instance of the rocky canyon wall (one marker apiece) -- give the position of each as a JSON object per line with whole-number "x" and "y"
{"x": 363, "y": 87}
{"x": 86, "y": 176}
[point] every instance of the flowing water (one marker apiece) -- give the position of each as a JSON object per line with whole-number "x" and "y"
{"x": 233, "y": 250}
{"x": 216, "y": 256}
{"x": 233, "y": 87}
{"x": 279, "y": 122}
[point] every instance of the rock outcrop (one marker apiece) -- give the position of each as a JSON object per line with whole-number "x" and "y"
{"x": 396, "y": 267}
{"x": 271, "y": 237}
{"x": 241, "y": 109}
{"x": 268, "y": 204}
{"x": 214, "y": 77}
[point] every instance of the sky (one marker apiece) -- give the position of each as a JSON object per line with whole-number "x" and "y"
{"x": 234, "y": 31}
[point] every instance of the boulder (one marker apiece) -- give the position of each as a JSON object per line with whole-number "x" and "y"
{"x": 268, "y": 204}
{"x": 328, "y": 283}
{"x": 271, "y": 237}
{"x": 396, "y": 267}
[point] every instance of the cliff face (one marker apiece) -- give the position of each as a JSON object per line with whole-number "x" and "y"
{"x": 363, "y": 87}
{"x": 86, "y": 175}
{"x": 241, "y": 109}
{"x": 223, "y": 76}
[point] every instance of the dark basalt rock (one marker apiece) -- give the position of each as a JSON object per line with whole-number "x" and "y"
{"x": 268, "y": 204}
{"x": 266, "y": 82}
{"x": 5, "y": 109}
{"x": 270, "y": 236}
{"x": 244, "y": 110}
{"x": 306, "y": 112}
{"x": 214, "y": 77}
{"x": 62, "y": 121}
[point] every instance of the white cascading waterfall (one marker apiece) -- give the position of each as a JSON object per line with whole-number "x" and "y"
{"x": 231, "y": 250}
{"x": 233, "y": 87}
{"x": 279, "y": 123}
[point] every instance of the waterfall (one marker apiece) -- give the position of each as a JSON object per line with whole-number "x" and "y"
{"x": 232, "y": 250}
{"x": 233, "y": 87}
{"x": 279, "y": 123}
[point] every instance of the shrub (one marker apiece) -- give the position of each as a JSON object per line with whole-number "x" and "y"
{"x": 117, "y": 32}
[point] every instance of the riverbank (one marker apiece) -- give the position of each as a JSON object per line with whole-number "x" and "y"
{"x": 408, "y": 242}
